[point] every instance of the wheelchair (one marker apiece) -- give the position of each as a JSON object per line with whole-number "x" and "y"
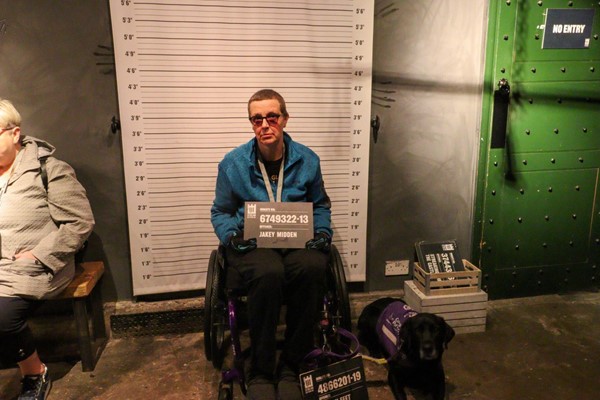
{"x": 224, "y": 309}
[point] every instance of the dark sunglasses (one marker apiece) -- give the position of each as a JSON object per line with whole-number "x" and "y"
{"x": 272, "y": 119}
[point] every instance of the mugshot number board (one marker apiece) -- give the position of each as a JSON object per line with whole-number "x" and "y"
{"x": 185, "y": 71}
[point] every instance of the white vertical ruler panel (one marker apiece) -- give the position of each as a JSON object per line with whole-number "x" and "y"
{"x": 185, "y": 71}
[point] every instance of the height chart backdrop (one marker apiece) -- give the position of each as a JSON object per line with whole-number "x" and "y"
{"x": 185, "y": 70}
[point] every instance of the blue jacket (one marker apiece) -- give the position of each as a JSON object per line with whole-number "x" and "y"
{"x": 239, "y": 180}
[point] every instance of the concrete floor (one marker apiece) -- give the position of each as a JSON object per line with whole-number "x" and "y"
{"x": 533, "y": 348}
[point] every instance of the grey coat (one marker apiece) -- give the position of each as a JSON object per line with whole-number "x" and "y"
{"x": 53, "y": 225}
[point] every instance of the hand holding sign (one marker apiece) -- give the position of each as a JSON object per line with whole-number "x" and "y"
{"x": 321, "y": 242}
{"x": 239, "y": 244}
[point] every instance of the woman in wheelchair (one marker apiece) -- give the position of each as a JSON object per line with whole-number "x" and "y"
{"x": 273, "y": 167}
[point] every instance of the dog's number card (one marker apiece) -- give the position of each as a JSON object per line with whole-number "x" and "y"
{"x": 344, "y": 380}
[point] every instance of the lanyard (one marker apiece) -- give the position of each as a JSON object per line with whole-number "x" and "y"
{"x": 263, "y": 170}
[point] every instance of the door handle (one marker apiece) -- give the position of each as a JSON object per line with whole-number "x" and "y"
{"x": 503, "y": 86}
{"x": 115, "y": 125}
{"x": 375, "y": 125}
{"x": 500, "y": 115}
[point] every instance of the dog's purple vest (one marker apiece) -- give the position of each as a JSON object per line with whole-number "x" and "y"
{"x": 389, "y": 323}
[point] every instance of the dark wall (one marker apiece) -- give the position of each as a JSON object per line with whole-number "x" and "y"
{"x": 427, "y": 91}
{"x": 56, "y": 66}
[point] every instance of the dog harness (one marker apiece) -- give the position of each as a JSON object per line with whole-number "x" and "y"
{"x": 389, "y": 323}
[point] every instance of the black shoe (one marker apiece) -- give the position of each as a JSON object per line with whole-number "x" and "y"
{"x": 261, "y": 389}
{"x": 289, "y": 389}
{"x": 288, "y": 384}
{"x": 36, "y": 387}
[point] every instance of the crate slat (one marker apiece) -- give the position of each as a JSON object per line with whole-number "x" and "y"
{"x": 444, "y": 283}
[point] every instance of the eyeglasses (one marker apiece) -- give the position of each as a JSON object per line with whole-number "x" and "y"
{"x": 2, "y": 130}
{"x": 272, "y": 119}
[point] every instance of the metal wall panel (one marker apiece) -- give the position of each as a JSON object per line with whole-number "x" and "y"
{"x": 537, "y": 209}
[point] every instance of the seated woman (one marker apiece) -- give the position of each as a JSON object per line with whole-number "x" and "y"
{"x": 41, "y": 228}
{"x": 273, "y": 167}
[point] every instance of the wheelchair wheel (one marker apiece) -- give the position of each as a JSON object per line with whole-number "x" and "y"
{"x": 212, "y": 282}
{"x": 341, "y": 301}
{"x": 215, "y": 313}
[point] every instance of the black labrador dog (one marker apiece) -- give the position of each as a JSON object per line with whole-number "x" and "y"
{"x": 412, "y": 343}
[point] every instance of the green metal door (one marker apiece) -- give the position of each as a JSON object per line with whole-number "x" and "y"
{"x": 538, "y": 209}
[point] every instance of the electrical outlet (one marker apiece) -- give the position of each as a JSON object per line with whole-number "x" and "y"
{"x": 396, "y": 267}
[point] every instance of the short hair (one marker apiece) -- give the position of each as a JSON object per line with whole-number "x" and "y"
{"x": 9, "y": 116}
{"x": 269, "y": 94}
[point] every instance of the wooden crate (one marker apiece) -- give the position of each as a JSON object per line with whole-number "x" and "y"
{"x": 465, "y": 312}
{"x": 433, "y": 284}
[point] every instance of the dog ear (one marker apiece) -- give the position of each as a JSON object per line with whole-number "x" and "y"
{"x": 448, "y": 333}
{"x": 405, "y": 337}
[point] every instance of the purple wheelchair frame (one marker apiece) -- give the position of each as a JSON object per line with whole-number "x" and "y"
{"x": 325, "y": 353}
{"x": 236, "y": 373}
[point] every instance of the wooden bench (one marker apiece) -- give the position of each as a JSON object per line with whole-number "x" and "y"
{"x": 85, "y": 294}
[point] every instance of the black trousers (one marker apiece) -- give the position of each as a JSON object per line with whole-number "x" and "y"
{"x": 272, "y": 277}
{"x": 16, "y": 339}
